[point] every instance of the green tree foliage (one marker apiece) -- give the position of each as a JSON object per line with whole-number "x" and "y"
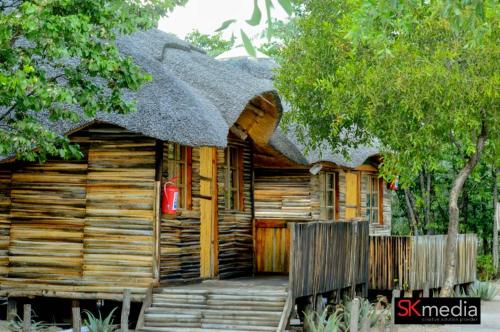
{"x": 213, "y": 45}
{"x": 475, "y": 204}
{"x": 420, "y": 76}
{"x": 260, "y": 7}
{"x": 52, "y": 54}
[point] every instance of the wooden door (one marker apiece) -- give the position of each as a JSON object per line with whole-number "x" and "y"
{"x": 272, "y": 246}
{"x": 352, "y": 195}
{"x": 208, "y": 213}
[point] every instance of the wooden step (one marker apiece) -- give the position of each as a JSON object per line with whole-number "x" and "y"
{"x": 236, "y": 297}
{"x": 184, "y": 329}
{"x": 192, "y": 309}
{"x": 225, "y": 327}
{"x": 209, "y": 312}
{"x": 246, "y": 322}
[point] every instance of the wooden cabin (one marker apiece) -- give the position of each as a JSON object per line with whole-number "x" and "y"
{"x": 90, "y": 228}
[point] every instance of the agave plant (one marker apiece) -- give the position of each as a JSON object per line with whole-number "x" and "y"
{"x": 367, "y": 311}
{"x": 485, "y": 290}
{"x": 99, "y": 324}
{"x": 16, "y": 325}
{"x": 324, "y": 322}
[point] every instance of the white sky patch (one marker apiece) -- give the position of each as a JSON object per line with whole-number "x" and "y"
{"x": 208, "y": 15}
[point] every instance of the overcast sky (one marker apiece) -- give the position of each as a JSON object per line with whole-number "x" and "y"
{"x": 207, "y": 15}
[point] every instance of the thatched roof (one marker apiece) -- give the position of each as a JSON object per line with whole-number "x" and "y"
{"x": 193, "y": 99}
{"x": 287, "y": 144}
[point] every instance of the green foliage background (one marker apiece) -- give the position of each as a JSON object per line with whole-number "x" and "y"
{"x": 52, "y": 53}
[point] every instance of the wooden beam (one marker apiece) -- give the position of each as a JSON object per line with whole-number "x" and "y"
{"x": 125, "y": 310}
{"x": 366, "y": 168}
{"x": 11, "y": 309}
{"x": 208, "y": 212}
{"x": 27, "y": 317}
{"x": 77, "y": 318}
{"x": 239, "y": 132}
{"x": 255, "y": 109}
{"x": 148, "y": 300}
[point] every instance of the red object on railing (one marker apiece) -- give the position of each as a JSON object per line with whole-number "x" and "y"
{"x": 170, "y": 197}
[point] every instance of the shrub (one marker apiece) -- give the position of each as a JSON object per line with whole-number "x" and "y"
{"x": 367, "y": 310}
{"x": 16, "y": 325}
{"x": 324, "y": 322}
{"x": 98, "y": 324}
{"x": 485, "y": 270}
{"x": 485, "y": 290}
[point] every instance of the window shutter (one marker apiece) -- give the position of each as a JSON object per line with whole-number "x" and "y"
{"x": 189, "y": 178}
{"x": 381, "y": 201}
{"x": 337, "y": 196}
{"x": 241, "y": 179}
{"x": 322, "y": 194}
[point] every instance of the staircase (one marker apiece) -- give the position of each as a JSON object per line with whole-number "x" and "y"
{"x": 217, "y": 306}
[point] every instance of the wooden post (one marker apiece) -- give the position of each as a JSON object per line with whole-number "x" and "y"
{"x": 125, "y": 310}
{"x": 320, "y": 306}
{"x": 426, "y": 290}
{"x": 77, "y": 318}
{"x": 354, "y": 255}
{"x": 457, "y": 289}
{"x": 395, "y": 293}
{"x": 27, "y": 317}
{"x": 354, "y": 315}
{"x": 11, "y": 309}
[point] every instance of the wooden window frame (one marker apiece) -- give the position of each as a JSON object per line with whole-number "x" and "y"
{"x": 233, "y": 161}
{"x": 325, "y": 205}
{"x": 375, "y": 184}
{"x": 184, "y": 182}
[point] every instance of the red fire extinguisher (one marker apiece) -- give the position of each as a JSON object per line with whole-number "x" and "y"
{"x": 170, "y": 197}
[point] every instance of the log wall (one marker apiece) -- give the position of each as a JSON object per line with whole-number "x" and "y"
{"x": 180, "y": 236}
{"x": 235, "y": 227}
{"x": 83, "y": 229}
{"x": 284, "y": 194}
{"x": 414, "y": 262}
{"x": 295, "y": 194}
{"x": 327, "y": 256}
{"x": 5, "y": 189}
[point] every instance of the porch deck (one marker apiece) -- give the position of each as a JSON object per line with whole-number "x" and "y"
{"x": 259, "y": 303}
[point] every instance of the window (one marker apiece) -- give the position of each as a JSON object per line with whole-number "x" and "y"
{"x": 233, "y": 165}
{"x": 328, "y": 190}
{"x": 373, "y": 200}
{"x": 177, "y": 163}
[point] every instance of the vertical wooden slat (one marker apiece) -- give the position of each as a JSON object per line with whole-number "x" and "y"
{"x": 208, "y": 228}
{"x": 322, "y": 256}
{"x": 352, "y": 195}
{"x": 417, "y": 261}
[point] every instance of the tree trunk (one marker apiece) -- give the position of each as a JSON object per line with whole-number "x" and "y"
{"x": 496, "y": 216}
{"x": 411, "y": 211}
{"x": 425, "y": 188}
{"x": 456, "y": 189}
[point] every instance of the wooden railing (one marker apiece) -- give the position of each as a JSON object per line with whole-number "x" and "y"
{"x": 417, "y": 262}
{"x": 327, "y": 256}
